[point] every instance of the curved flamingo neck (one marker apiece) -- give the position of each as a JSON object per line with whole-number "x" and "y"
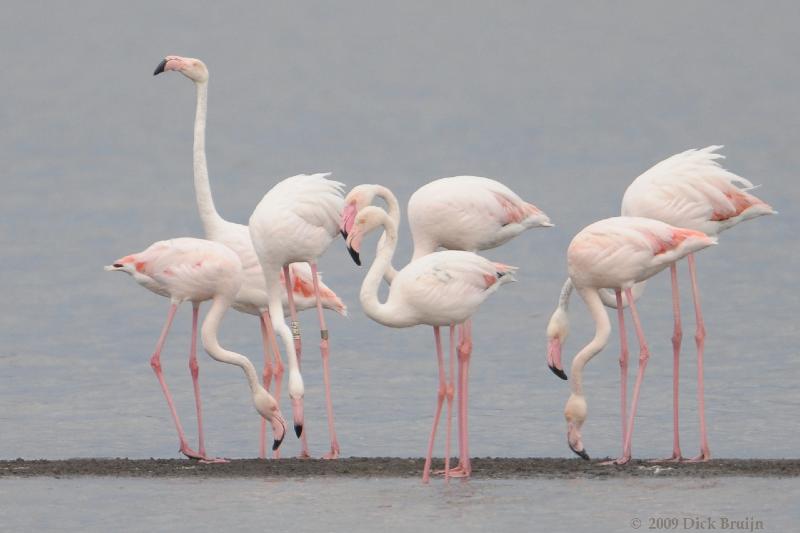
{"x": 393, "y": 211}
{"x": 208, "y": 335}
{"x": 202, "y": 187}
{"x": 602, "y": 331}
{"x": 387, "y": 313}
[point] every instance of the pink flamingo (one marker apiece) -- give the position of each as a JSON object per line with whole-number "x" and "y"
{"x": 297, "y": 292}
{"x": 296, "y": 221}
{"x": 688, "y": 190}
{"x": 468, "y": 213}
{"x": 198, "y": 270}
{"x": 439, "y": 289}
{"x": 616, "y": 253}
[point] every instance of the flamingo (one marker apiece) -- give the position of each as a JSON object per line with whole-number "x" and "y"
{"x": 198, "y": 270}
{"x": 689, "y": 190}
{"x": 298, "y": 288}
{"x": 439, "y": 289}
{"x": 616, "y": 253}
{"x": 296, "y": 221}
{"x": 468, "y": 213}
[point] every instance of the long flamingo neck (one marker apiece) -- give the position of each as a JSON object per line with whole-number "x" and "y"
{"x": 393, "y": 210}
{"x": 602, "y": 332}
{"x": 208, "y": 335}
{"x": 202, "y": 187}
{"x": 384, "y": 313}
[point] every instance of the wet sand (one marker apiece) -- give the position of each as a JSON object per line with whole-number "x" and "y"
{"x": 370, "y": 467}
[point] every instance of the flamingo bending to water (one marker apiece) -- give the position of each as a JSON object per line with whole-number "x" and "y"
{"x": 688, "y": 190}
{"x": 439, "y": 289}
{"x": 467, "y": 213}
{"x": 296, "y": 221}
{"x": 617, "y": 253}
{"x": 297, "y": 291}
{"x": 196, "y": 270}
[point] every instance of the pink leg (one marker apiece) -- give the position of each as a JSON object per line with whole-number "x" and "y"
{"x": 439, "y": 401}
{"x": 677, "y": 337}
{"x": 267, "y": 378}
{"x": 700, "y": 336}
{"x": 194, "y": 368}
{"x": 298, "y": 347}
{"x": 325, "y": 350}
{"x": 449, "y": 394}
{"x": 644, "y": 355}
{"x": 155, "y": 363}
{"x": 269, "y": 337}
{"x": 464, "y": 468}
{"x": 623, "y": 364}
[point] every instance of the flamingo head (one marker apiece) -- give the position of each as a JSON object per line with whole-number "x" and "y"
{"x": 575, "y": 413}
{"x": 125, "y": 264}
{"x": 357, "y": 199}
{"x": 364, "y": 222}
{"x": 194, "y": 69}
{"x": 267, "y": 407}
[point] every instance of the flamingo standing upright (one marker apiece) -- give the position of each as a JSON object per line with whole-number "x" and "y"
{"x": 439, "y": 289}
{"x": 467, "y": 213}
{"x": 689, "y": 190}
{"x": 196, "y": 270}
{"x": 297, "y": 292}
{"x": 296, "y": 221}
{"x": 617, "y": 253}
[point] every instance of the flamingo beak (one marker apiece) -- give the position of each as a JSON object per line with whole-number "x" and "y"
{"x": 353, "y": 243}
{"x": 574, "y": 441}
{"x": 160, "y": 68}
{"x": 580, "y": 453}
{"x": 279, "y": 431}
{"x": 554, "y": 359}
{"x": 354, "y": 254}
{"x": 297, "y": 410}
{"x": 348, "y": 217}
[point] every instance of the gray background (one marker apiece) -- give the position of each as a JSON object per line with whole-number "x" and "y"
{"x": 565, "y": 104}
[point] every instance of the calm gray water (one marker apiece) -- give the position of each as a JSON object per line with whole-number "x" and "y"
{"x": 565, "y": 104}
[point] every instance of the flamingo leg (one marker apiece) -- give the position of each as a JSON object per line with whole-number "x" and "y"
{"x": 267, "y": 378}
{"x": 426, "y": 472}
{"x": 325, "y": 351}
{"x": 194, "y": 369}
{"x": 464, "y": 468}
{"x": 155, "y": 363}
{"x": 699, "y": 337}
{"x": 298, "y": 347}
{"x": 623, "y": 364}
{"x": 677, "y": 337}
{"x": 644, "y": 355}
{"x": 278, "y": 375}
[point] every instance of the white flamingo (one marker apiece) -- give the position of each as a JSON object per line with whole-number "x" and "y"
{"x": 468, "y": 213}
{"x": 617, "y": 253}
{"x": 439, "y": 289}
{"x": 196, "y": 270}
{"x": 688, "y": 190}
{"x": 296, "y": 221}
{"x": 297, "y": 292}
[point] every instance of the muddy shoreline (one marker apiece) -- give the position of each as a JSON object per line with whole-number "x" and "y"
{"x": 371, "y": 467}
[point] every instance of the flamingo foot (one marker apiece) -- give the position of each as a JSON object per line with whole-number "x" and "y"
{"x": 190, "y": 453}
{"x": 303, "y": 455}
{"x": 625, "y": 459}
{"x": 702, "y": 458}
{"x": 675, "y": 458}
{"x": 458, "y": 471}
{"x": 334, "y": 453}
{"x": 213, "y": 460}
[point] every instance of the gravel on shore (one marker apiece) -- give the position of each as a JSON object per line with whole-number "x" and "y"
{"x": 368, "y": 467}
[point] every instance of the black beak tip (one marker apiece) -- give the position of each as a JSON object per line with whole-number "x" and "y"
{"x": 558, "y": 372}
{"x": 354, "y": 255}
{"x": 344, "y": 234}
{"x": 276, "y": 444}
{"x": 298, "y": 430}
{"x": 160, "y": 68}
{"x": 582, "y": 453}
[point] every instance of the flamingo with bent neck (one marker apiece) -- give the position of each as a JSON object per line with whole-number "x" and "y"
{"x": 438, "y": 289}
{"x": 468, "y": 213}
{"x": 617, "y": 253}
{"x": 296, "y": 221}
{"x": 297, "y": 290}
{"x": 688, "y": 190}
{"x": 197, "y": 270}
